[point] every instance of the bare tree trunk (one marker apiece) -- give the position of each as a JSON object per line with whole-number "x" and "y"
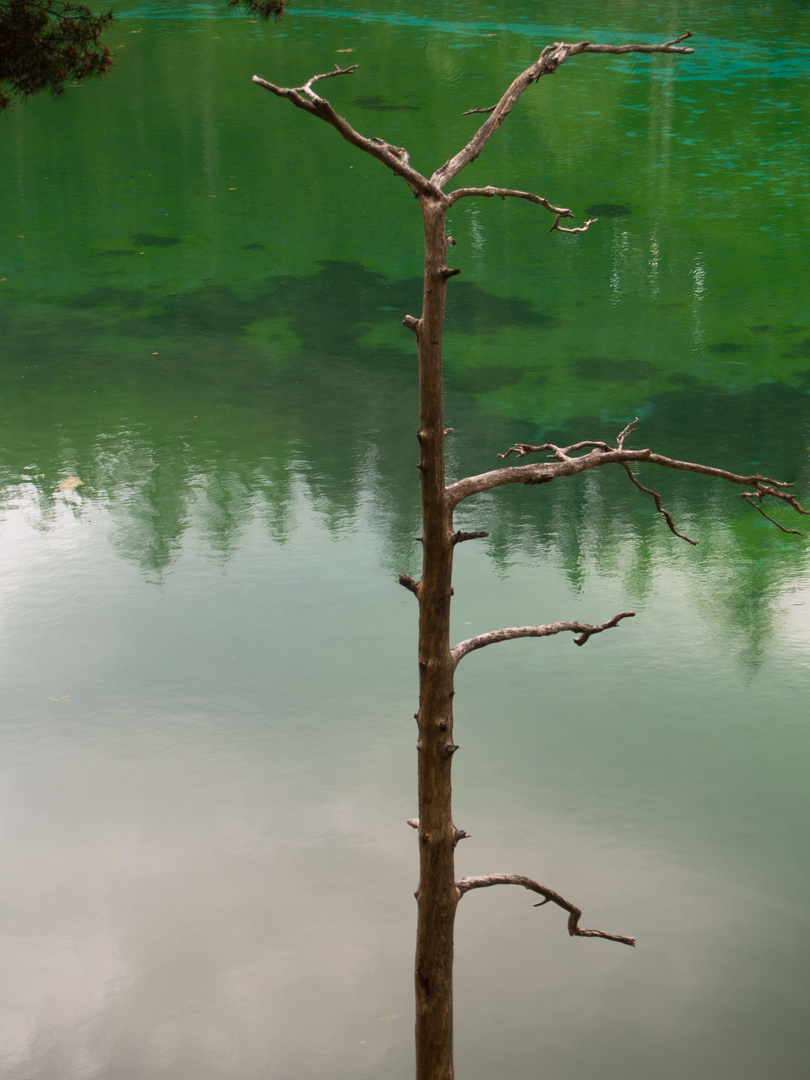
{"x": 439, "y": 893}
{"x": 437, "y": 896}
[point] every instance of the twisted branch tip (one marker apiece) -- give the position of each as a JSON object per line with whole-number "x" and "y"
{"x": 549, "y": 896}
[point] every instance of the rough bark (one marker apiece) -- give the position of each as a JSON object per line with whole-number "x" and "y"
{"x": 436, "y": 896}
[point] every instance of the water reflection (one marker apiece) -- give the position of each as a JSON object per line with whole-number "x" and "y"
{"x": 210, "y": 407}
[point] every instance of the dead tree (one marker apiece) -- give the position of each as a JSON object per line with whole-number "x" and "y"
{"x": 439, "y": 892}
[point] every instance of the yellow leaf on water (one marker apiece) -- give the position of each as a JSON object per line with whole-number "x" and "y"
{"x": 70, "y": 483}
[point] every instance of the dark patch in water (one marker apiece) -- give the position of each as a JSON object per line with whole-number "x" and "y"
{"x": 801, "y": 351}
{"x": 761, "y": 328}
{"x": 109, "y": 296}
{"x": 794, "y": 329}
{"x": 329, "y": 311}
{"x": 253, "y": 247}
{"x": 603, "y": 369}
{"x": 113, "y": 253}
{"x": 608, "y": 209}
{"x": 488, "y": 377}
{"x": 150, "y": 240}
{"x": 725, "y": 347}
{"x": 375, "y": 103}
{"x": 687, "y": 381}
{"x": 473, "y": 310}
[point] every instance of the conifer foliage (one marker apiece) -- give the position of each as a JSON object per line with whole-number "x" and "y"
{"x": 265, "y": 9}
{"x": 46, "y": 44}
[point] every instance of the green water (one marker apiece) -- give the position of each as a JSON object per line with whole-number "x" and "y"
{"x": 208, "y": 668}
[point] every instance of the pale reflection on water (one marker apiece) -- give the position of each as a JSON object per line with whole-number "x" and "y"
{"x": 205, "y": 786}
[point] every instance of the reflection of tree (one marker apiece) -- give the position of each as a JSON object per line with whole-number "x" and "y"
{"x": 135, "y": 478}
{"x": 212, "y": 408}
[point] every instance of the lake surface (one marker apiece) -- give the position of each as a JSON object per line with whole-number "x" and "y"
{"x": 208, "y": 669}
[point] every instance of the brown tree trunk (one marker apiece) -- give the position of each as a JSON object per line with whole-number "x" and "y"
{"x": 437, "y": 895}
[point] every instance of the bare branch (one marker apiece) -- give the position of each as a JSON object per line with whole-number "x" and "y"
{"x": 472, "y": 112}
{"x": 394, "y": 157}
{"x": 560, "y": 453}
{"x": 307, "y": 87}
{"x": 661, "y": 509}
{"x": 750, "y": 496}
{"x": 628, "y": 429}
{"x": 574, "y": 913}
{"x": 511, "y": 193}
{"x": 546, "y": 64}
{"x": 489, "y": 192}
{"x": 566, "y": 461}
{"x": 667, "y": 47}
{"x": 459, "y": 537}
{"x": 556, "y": 227}
{"x": 511, "y": 633}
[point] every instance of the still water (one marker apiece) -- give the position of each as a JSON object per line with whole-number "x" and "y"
{"x": 208, "y": 668}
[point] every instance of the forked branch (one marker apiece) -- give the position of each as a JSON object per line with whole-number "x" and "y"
{"x": 395, "y": 157}
{"x": 338, "y": 70}
{"x": 557, "y": 227}
{"x": 489, "y": 192}
{"x": 660, "y": 507}
{"x": 755, "y": 499}
{"x": 549, "y": 896}
{"x": 547, "y": 63}
{"x": 511, "y": 633}
{"x": 568, "y": 461}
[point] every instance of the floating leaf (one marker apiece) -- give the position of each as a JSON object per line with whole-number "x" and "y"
{"x": 70, "y": 483}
